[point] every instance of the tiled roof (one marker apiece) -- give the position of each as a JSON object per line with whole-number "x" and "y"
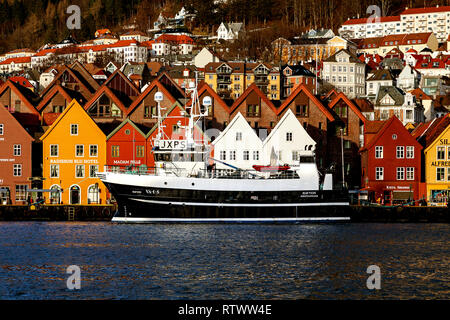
{"x": 372, "y": 20}
{"x": 425, "y": 10}
{"x": 16, "y": 60}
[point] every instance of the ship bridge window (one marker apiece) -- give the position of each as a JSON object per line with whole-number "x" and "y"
{"x": 306, "y": 159}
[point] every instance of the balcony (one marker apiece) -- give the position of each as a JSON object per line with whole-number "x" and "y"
{"x": 225, "y": 80}
{"x": 224, "y": 71}
{"x": 261, "y": 80}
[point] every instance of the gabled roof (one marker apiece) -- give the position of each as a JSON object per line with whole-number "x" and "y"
{"x": 140, "y": 98}
{"x": 420, "y": 95}
{"x": 62, "y": 115}
{"x": 105, "y": 90}
{"x": 66, "y": 93}
{"x": 381, "y": 74}
{"x": 9, "y": 115}
{"x": 175, "y": 90}
{"x": 368, "y": 20}
{"x": 352, "y": 106}
{"x": 252, "y": 88}
{"x": 302, "y": 88}
{"x": 364, "y": 105}
{"x": 287, "y": 114}
{"x": 353, "y": 58}
{"x": 119, "y": 73}
{"x": 203, "y": 86}
{"x": 236, "y": 118}
{"x": 429, "y": 133}
{"x": 393, "y": 92}
{"x": 25, "y": 94}
{"x": 127, "y": 120}
{"x": 382, "y": 130}
{"x": 425, "y": 10}
{"x": 59, "y": 75}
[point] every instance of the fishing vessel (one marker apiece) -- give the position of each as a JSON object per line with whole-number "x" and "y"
{"x": 186, "y": 186}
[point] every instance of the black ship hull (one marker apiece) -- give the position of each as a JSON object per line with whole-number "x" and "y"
{"x": 153, "y": 205}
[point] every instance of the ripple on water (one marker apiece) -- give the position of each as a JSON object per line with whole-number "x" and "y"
{"x": 323, "y": 261}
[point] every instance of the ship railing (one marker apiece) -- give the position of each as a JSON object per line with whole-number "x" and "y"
{"x": 202, "y": 173}
{"x": 245, "y": 174}
{"x": 138, "y": 170}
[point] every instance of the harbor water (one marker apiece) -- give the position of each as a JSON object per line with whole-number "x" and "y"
{"x": 215, "y": 261}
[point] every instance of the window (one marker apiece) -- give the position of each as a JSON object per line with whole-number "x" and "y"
{"x": 301, "y": 110}
{"x": 252, "y": 110}
{"x": 256, "y": 155}
{"x": 288, "y": 136}
{"x": 400, "y": 173}
{"x": 21, "y": 192}
{"x": 2, "y": 128}
{"x": 440, "y": 174}
{"x": 115, "y": 151}
{"x": 17, "y": 150}
{"x": 246, "y": 155}
{"x": 223, "y": 155}
{"x": 79, "y": 171}
{"x": 93, "y": 150}
{"x": 400, "y": 152}
{"x": 74, "y": 129}
{"x": 54, "y": 171}
{"x": 232, "y": 155}
{"x": 139, "y": 151}
{"x": 410, "y": 173}
{"x": 409, "y": 152}
{"x": 440, "y": 153}
{"x": 379, "y": 173}
{"x": 79, "y": 150}
{"x": 238, "y": 136}
{"x": 54, "y": 150}
{"x": 17, "y": 170}
{"x": 347, "y": 144}
{"x": 294, "y": 155}
{"x": 379, "y": 152}
{"x": 93, "y": 169}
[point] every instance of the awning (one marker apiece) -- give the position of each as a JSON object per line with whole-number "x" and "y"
{"x": 402, "y": 195}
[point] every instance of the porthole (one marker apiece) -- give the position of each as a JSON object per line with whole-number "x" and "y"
{"x": 127, "y": 132}
{"x": 394, "y": 137}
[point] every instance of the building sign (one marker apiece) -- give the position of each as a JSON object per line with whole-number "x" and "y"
{"x": 172, "y": 144}
{"x": 6, "y": 160}
{"x": 127, "y": 162}
{"x": 443, "y": 141}
{"x": 440, "y": 164}
{"x": 399, "y": 188}
{"x": 76, "y": 161}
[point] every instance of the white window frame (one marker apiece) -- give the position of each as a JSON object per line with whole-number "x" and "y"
{"x": 379, "y": 173}
{"x": 400, "y": 150}
{"x": 72, "y": 126}
{"x": 400, "y": 173}
{"x": 90, "y": 167}
{"x": 57, "y": 170}
{"x": 18, "y": 167}
{"x": 96, "y": 149}
{"x": 17, "y": 150}
{"x": 2, "y": 129}
{"x": 409, "y": 152}
{"x": 437, "y": 174}
{"x": 84, "y": 171}
{"x": 57, "y": 150}
{"x": 410, "y": 173}
{"x": 379, "y": 152}
{"x": 76, "y": 146}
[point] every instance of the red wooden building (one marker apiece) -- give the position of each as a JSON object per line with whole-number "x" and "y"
{"x": 126, "y": 146}
{"x": 391, "y": 164}
{"x": 15, "y": 159}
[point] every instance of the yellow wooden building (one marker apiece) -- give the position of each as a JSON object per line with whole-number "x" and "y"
{"x": 437, "y": 162}
{"x": 74, "y": 149}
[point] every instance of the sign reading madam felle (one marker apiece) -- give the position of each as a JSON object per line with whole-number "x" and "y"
{"x": 172, "y": 144}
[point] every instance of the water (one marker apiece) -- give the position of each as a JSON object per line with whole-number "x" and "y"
{"x": 322, "y": 261}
